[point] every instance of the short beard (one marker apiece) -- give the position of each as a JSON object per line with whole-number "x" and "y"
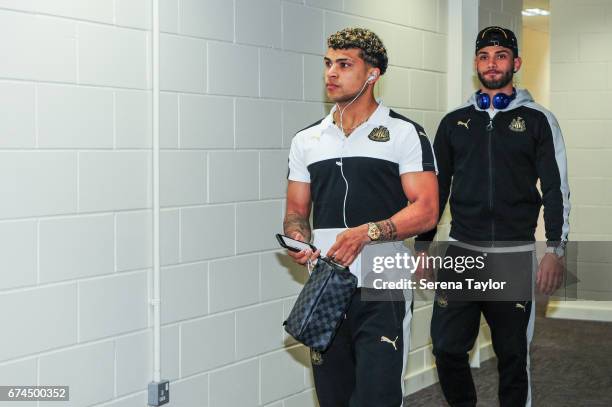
{"x": 498, "y": 84}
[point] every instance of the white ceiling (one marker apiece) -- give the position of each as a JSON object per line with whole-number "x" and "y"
{"x": 538, "y": 23}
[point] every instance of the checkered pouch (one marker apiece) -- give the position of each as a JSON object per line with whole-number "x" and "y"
{"x": 321, "y": 305}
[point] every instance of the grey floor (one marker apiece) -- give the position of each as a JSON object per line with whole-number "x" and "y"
{"x": 571, "y": 366}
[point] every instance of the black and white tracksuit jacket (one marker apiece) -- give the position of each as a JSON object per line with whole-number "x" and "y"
{"x": 490, "y": 167}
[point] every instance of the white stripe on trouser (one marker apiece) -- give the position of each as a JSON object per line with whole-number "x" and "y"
{"x": 530, "y": 329}
{"x": 406, "y": 329}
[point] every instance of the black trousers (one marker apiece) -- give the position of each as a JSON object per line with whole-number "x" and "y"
{"x": 365, "y": 363}
{"x": 454, "y": 328}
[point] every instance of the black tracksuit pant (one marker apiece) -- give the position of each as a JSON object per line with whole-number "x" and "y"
{"x": 454, "y": 328}
{"x": 364, "y": 365}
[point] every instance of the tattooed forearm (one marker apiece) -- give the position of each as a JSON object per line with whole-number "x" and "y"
{"x": 296, "y": 223}
{"x": 388, "y": 231}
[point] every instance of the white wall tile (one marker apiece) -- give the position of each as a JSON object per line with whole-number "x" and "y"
{"x": 564, "y": 77}
{"x": 595, "y": 47}
{"x": 578, "y": 18}
{"x": 169, "y": 229}
{"x": 95, "y": 10}
{"x": 257, "y": 223}
{"x": 282, "y": 373}
{"x": 23, "y": 373}
{"x": 594, "y": 221}
{"x": 422, "y": 14}
{"x": 233, "y": 69}
{"x": 435, "y": 52}
{"x": 39, "y": 183}
{"x": 280, "y": 276}
{"x": 76, "y": 247}
{"x": 206, "y": 121}
{"x": 419, "y": 332}
{"x": 18, "y": 253}
{"x": 404, "y": 45}
{"x": 208, "y": 19}
{"x": 281, "y": 74}
{"x": 182, "y": 64}
{"x": 84, "y": 119}
{"x": 298, "y": 115}
{"x": 586, "y": 133}
{"x": 599, "y": 107}
{"x": 327, "y": 4}
{"x": 303, "y": 29}
{"x": 223, "y": 385}
{"x": 114, "y": 180}
{"x": 273, "y": 173}
{"x": 259, "y": 329}
{"x": 314, "y": 82}
{"x": 416, "y": 362}
{"x": 168, "y": 120}
{"x": 233, "y": 283}
{"x": 41, "y": 48}
{"x": 258, "y": 22}
{"x": 365, "y": 9}
{"x": 564, "y": 47}
{"x": 138, "y": 400}
{"x": 134, "y": 240}
{"x": 133, "y": 119}
{"x": 132, "y": 13}
{"x": 595, "y": 191}
{"x": 112, "y": 56}
{"x": 423, "y": 90}
{"x": 102, "y": 300}
{"x": 134, "y": 363}
{"x": 17, "y": 115}
{"x": 170, "y": 346}
{"x": 394, "y": 87}
{"x": 233, "y": 176}
{"x": 207, "y": 343}
{"x": 207, "y": 232}
{"x": 169, "y": 16}
{"x": 305, "y": 399}
{"x": 45, "y": 318}
{"x": 88, "y": 370}
{"x": 190, "y": 392}
{"x": 184, "y": 292}
{"x": 258, "y": 123}
{"x": 182, "y": 178}
{"x": 593, "y": 163}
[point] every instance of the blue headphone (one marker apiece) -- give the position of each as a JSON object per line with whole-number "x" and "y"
{"x": 500, "y": 101}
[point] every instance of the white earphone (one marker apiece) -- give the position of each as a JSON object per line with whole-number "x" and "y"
{"x": 371, "y": 77}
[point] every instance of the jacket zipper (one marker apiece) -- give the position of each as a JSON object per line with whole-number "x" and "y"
{"x": 490, "y": 128}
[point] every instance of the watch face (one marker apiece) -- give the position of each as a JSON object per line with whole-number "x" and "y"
{"x": 373, "y": 231}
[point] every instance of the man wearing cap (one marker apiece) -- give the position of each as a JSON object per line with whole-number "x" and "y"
{"x": 491, "y": 152}
{"x": 358, "y": 169}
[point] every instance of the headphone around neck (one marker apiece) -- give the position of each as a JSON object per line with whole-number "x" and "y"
{"x": 500, "y": 101}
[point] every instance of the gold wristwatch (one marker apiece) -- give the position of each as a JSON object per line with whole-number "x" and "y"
{"x": 373, "y": 231}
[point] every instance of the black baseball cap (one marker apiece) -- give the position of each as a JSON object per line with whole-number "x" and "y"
{"x": 497, "y": 36}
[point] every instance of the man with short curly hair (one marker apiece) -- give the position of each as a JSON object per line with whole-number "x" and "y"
{"x": 359, "y": 168}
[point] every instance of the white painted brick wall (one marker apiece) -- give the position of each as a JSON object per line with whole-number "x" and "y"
{"x": 581, "y": 69}
{"x": 238, "y": 79}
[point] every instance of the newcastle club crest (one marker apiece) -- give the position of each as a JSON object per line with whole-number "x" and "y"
{"x": 380, "y": 134}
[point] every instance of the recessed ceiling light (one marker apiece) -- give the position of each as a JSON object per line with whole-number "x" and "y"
{"x": 530, "y": 12}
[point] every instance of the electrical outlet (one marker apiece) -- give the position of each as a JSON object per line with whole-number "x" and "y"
{"x": 159, "y": 393}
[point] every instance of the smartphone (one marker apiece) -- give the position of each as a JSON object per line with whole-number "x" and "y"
{"x": 293, "y": 244}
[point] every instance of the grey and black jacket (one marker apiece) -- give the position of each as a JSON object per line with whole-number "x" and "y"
{"x": 490, "y": 168}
